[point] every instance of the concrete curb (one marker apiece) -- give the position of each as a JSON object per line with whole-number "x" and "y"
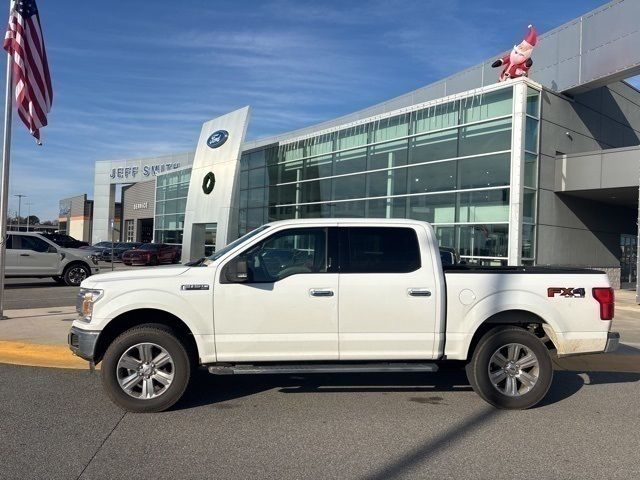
{"x": 38, "y": 355}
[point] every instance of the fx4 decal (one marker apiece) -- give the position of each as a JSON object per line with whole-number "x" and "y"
{"x": 566, "y": 292}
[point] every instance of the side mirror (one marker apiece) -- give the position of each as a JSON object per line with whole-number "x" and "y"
{"x": 52, "y": 249}
{"x": 237, "y": 270}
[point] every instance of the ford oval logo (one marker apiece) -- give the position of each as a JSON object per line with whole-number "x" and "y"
{"x": 217, "y": 139}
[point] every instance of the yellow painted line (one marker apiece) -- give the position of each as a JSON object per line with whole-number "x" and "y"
{"x": 38, "y": 355}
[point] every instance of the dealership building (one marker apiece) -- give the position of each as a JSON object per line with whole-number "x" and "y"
{"x": 541, "y": 170}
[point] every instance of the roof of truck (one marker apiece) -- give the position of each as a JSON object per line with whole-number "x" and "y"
{"x": 333, "y": 221}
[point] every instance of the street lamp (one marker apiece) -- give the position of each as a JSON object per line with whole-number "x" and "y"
{"x": 19, "y": 195}
{"x": 28, "y": 214}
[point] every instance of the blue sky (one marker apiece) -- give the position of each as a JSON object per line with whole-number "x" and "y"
{"x": 140, "y": 78}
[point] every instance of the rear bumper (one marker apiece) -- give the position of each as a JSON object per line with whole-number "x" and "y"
{"x": 83, "y": 342}
{"x": 613, "y": 340}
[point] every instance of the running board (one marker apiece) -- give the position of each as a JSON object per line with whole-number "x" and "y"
{"x": 322, "y": 368}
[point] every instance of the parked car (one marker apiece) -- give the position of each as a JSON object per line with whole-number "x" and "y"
{"x": 346, "y": 295}
{"x": 152, "y": 254}
{"x": 64, "y": 240}
{"x": 30, "y": 255}
{"x": 97, "y": 248}
{"x": 118, "y": 249}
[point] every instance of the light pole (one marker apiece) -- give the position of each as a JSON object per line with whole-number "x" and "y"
{"x": 19, "y": 195}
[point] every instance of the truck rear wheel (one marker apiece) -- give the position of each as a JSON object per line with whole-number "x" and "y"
{"x": 510, "y": 368}
{"x": 146, "y": 369}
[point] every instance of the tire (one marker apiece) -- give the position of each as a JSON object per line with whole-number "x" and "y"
{"x": 58, "y": 279}
{"x": 153, "y": 261}
{"x": 125, "y": 347}
{"x": 75, "y": 273}
{"x": 517, "y": 387}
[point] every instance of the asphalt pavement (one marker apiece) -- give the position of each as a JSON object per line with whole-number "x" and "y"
{"x": 58, "y": 424}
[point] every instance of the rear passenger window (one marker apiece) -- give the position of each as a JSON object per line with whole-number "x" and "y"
{"x": 380, "y": 250}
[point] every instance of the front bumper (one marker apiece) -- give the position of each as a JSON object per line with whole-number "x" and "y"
{"x": 613, "y": 340}
{"x": 83, "y": 342}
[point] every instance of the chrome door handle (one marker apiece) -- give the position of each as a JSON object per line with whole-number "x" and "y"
{"x": 419, "y": 292}
{"x": 320, "y": 292}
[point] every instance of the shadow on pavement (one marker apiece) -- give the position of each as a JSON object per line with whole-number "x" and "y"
{"x": 206, "y": 389}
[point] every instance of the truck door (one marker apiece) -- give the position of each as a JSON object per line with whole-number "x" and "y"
{"x": 287, "y": 307}
{"x": 387, "y": 306}
{"x": 35, "y": 256}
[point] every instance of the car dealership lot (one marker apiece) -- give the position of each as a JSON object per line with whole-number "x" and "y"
{"x": 59, "y": 424}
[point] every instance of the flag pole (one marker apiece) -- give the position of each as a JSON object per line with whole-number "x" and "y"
{"x": 4, "y": 185}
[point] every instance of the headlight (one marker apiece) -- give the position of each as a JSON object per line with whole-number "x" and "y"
{"x": 94, "y": 259}
{"x": 85, "y": 300}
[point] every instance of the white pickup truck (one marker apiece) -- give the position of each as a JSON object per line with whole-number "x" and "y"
{"x": 333, "y": 295}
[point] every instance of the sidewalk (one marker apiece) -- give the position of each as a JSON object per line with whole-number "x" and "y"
{"x": 38, "y": 337}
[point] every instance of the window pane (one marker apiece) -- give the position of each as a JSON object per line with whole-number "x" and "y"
{"x": 289, "y": 172}
{"x": 348, "y": 209}
{"x": 435, "y": 146}
{"x": 531, "y": 135}
{"x": 284, "y": 194}
{"x": 432, "y": 177}
{"x": 288, "y": 253}
{"x": 32, "y": 243}
{"x": 433, "y": 208}
{"x": 318, "y": 167}
{"x": 392, "y": 154}
{"x": 436, "y": 117}
{"x": 352, "y": 137}
{"x": 256, "y": 197}
{"x": 490, "y": 171}
{"x": 484, "y": 206}
{"x": 386, "y": 208}
{"x": 528, "y": 241}
{"x": 390, "y": 128}
{"x": 483, "y": 240}
{"x": 257, "y": 178}
{"x": 292, "y": 151}
{"x": 446, "y": 236}
{"x": 351, "y": 161}
{"x": 255, "y": 218}
{"x": 320, "y": 145}
{"x": 352, "y": 186}
{"x": 316, "y": 191}
{"x": 529, "y": 206}
{"x": 256, "y": 159}
{"x": 533, "y": 101}
{"x": 485, "y": 137}
{"x": 387, "y": 183}
{"x": 382, "y": 250}
{"x": 281, "y": 213}
{"x": 244, "y": 198}
{"x": 530, "y": 170}
{"x": 244, "y": 179}
{"x": 318, "y": 210}
{"x": 488, "y": 105}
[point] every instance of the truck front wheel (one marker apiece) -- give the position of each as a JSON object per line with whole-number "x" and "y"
{"x": 146, "y": 369}
{"x": 510, "y": 368}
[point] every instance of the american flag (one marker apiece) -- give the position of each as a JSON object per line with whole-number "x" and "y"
{"x": 31, "y": 78}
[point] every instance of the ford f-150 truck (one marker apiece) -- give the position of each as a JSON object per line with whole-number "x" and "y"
{"x": 337, "y": 295}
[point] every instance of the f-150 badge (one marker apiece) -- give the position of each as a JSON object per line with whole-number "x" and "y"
{"x": 566, "y": 292}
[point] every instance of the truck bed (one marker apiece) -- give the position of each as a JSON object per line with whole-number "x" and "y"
{"x": 524, "y": 269}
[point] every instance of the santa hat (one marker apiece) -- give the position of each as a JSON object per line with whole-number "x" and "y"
{"x": 532, "y": 36}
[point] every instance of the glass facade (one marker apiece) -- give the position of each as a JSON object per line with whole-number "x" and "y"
{"x": 448, "y": 164}
{"x": 530, "y": 176}
{"x": 171, "y": 203}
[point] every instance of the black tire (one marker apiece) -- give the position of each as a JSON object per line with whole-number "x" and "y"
{"x": 75, "y": 273}
{"x": 154, "y": 260}
{"x": 58, "y": 279}
{"x": 479, "y": 366}
{"x": 158, "y": 335}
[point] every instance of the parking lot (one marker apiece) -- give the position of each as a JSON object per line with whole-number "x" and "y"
{"x": 45, "y": 292}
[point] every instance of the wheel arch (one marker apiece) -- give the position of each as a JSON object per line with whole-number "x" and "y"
{"x": 513, "y": 317}
{"x": 145, "y": 316}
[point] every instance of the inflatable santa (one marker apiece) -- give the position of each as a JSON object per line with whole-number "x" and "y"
{"x": 518, "y": 62}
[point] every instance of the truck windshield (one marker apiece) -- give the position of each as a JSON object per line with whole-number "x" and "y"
{"x": 219, "y": 253}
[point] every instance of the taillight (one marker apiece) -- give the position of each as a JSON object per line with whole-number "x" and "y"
{"x": 605, "y": 298}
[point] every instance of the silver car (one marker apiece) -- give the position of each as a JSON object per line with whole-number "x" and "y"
{"x": 31, "y": 255}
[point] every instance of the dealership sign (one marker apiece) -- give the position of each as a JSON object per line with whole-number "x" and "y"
{"x": 146, "y": 170}
{"x": 217, "y": 139}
